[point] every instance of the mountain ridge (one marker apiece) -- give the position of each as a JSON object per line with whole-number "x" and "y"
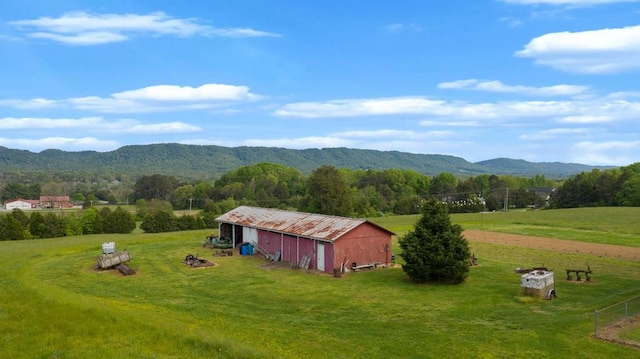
{"x": 211, "y": 161}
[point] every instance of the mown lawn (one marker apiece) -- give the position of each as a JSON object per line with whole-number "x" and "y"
{"x": 610, "y": 225}
{"x": 53, "y": 304}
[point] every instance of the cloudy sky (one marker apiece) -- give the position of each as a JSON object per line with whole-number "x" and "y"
{"x": 540, "y": 80}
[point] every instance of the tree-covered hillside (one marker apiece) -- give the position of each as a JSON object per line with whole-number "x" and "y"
{"x": 211, "y": 162}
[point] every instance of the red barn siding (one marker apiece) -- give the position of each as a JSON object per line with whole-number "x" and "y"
{"x": 363, "y": 245}
{"x": 329, "y": 258}
{"x": 270, "y": 241}
{"x": 308, "y": 248}
{"x": 288, "y": 248}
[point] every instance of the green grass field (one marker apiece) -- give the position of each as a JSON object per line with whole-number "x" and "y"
{"x": 53, "y": 304}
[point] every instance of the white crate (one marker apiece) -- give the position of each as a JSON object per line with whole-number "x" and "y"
{"x": 108, "y": 247}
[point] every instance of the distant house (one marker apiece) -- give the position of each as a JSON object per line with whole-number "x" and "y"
{"x": 543, "y": 192}
{"x": 329, "y": 242}
{"x": 55, "y": 202}
{"x": 22, "y": 204}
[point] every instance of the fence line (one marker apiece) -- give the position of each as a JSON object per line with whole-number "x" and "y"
{"x": 614, "y": 315}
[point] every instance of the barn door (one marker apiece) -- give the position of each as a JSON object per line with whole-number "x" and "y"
{"x": 250, "y": 235}
{"x": 320, "y": 256}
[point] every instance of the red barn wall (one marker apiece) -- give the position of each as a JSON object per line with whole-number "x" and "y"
{"x": 270, "y": 241}
{"x": 292, "y": 248}
{"x": 308, "y": 248}
{"x": 329, "y": 257}
{"x": 364, "y": 245}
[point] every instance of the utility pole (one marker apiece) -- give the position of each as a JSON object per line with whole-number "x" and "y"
{"x": 190, "y": 201}
{"x": 506, "y": 200}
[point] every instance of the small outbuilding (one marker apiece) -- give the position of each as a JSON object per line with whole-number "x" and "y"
{"x": 538, "y": 283}
{"x": 329, "y": 243}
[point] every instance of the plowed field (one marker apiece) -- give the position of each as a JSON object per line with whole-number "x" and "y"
{"x": 558, "y": 245}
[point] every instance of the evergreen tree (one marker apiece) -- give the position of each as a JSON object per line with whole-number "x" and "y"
{"x": 54, "y": 226}
{"x": 187, "y": 222}
{"x": 159, "y": 221}
{"x": 209, "y": 213}
{"x": 73, "y": 224}
{"x": 36, "y": 225}
{"x": 329, "y": 193}
{"x": 10, "y": 229}
{"x": 21, "y": 217}
{"x": 156, "y": 186}
{"x": 435, "y": 250}
{"x": 92, "y": 222}
{"x": 119, "y": 221}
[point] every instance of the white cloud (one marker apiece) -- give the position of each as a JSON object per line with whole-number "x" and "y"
{"x": 361, "y": 107}
{"x": 95, "y": 124}
{"x": 565, "y": 2}
{"x": 32, "y": 104}
{"x": 595, "y": 51}
{"x": 168, "y": 127}
{"x": 433, "y": 123}
{"x": 605, "y": 153}
{"x": 213, "y": 92}
{"x": 160, "y": 98}
{"x": 425, "y": 106}
{"x": 87, "y": 38}
{"x": 497, "y": 86}
{"x": 83, "y": 28}
{"x": 624, "y": 94}
{"x": 459, "y": 116}
{"x": 552, "y": 133}
{"x": 398, "y": 27}
{"x": 586, "y": 119}
{"x": 389, "y": 134}
{"x": 511, "y": 21}
{"x": 301, "y": 142}
{"x": 13, "y": 123}
{"x": 63, "y": 143}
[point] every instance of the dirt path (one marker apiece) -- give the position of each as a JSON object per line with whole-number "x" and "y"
{"x": 558, "y": 245}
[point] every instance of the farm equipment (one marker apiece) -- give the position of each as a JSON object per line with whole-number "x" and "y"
{"x": 223, "y": 253}
{"x": 115, "y": 260}
{"x": 218, "y": 242}
{"x": 195, "y": 262}
{"x": 111, "y": 260}
{"x": 587, "y": 272}
{"x": 522, "y": 270}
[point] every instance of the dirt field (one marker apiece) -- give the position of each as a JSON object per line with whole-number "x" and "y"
{"x": 558, "y": 245}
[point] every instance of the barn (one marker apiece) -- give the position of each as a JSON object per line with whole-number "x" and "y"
{"x": 22, "y": 204}
{"x": 329, "y": 242}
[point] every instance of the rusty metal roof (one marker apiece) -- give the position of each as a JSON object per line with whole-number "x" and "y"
{"x": 309, "y": 225}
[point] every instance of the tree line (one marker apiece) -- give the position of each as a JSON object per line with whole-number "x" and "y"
{"x": 17, "y": 225}
{"x": 348, "y": 192}
{"x": 370, "y": 193}
{"x": 615, "y": 187}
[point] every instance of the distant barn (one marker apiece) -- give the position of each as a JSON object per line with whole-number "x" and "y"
{"x": 330, "y": 242}
{"x": 22, "y": 204}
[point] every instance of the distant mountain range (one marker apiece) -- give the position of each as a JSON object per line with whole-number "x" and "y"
{"x": 210, "y": 162}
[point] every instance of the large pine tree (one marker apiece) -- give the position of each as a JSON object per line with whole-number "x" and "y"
{"x": 329, "y": 193}
{"x": 435, "y": 250}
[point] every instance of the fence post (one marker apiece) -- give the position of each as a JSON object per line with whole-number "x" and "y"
{"x": 626, "y": 310}
{"x": 595, "y": 323}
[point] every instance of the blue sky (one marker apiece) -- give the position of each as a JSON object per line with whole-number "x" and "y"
{"x": 540, "y": 80}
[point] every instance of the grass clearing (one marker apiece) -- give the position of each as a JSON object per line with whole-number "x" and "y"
{"x": 609, "y": 225}
{"x": 54, "y": 305}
